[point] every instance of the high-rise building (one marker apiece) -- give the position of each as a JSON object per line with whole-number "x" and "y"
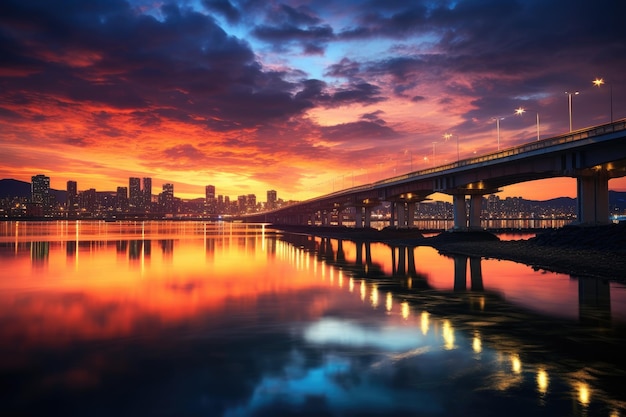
{"x": 271, "y": 200}
{"x": 147, "y": 194}
{"x": 135, "y": 198}
{"x": 167, "y": 198}
{"x": 40, "y": 190}
{"x": 242, "y": 204}
{"x": 209, "y": 201}
{"x": 71, "y": 204}
{"x": 122, "y": 199}
{"x": 251, "y": 202}
{"x": 88, "y": 203}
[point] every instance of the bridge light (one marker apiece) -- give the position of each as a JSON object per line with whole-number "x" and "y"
{"x": 598, "y": 82}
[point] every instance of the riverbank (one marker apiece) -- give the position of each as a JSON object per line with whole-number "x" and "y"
{"x": 580, "y": 251}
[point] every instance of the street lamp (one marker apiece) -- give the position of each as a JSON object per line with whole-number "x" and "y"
{"x": 520, "y": 111}
{"x": 598, "y": 82}
{"x": 497, "y": 119}
{"x": 569, "y": 103}
{"x": 434, "y": 163}
{"x": 448, "y": 136}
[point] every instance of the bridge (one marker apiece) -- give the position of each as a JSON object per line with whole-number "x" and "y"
{"x": 592, "y": 155}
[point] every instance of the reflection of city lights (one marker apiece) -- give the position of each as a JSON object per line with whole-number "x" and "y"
{"x": 374, "y": 296}
{"x": 389, "y": 302}
{"x": 542, "y": 381}
{"x": 516, "y": 364}
{"x": 482, "y": 303}
{"x": 332, "y": 276}
{"x": 351, "y": 285}
{"x": 409, "y": 282}
{"x": 477, "y": 344}
{"x": 424, "y": 318}
{"x": 448, "y": 335}
{"x": 583, "y": 393}
{"x": 405, "y": 310}
{"x": 340, "y": 279}
{"x": 363, "y": 291}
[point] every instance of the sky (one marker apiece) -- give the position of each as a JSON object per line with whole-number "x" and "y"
{"x": 301, "y": 97}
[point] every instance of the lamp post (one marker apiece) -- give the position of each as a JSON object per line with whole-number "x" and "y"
{"x": 520, "y": 111}
{"x": 434, "y": 163}
{"x": 569, "y": 105}
{"x": 448, "y": 136}
{"x": 598, "y": 82}
{"x": 497, "y": 119}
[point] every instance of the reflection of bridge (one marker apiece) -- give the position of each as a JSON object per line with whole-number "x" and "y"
{"x": 593, "y": 295}
{"x": 592, "y": 156}
{"x": 566, "y": 346}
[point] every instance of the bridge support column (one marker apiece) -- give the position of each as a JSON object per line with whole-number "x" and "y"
{"x": 460, "y": 212}
{"x": 401, "y": 214}
{"x": 312, "y": 218}
{"x": 476, "y": 207}
{"x": 592, "y": 198}
{"x": 358, "y": 217}
{"x": 329, "y": 217}
{"x": 392, "y": 211}
{"x": 410, "y": 215}
{"x": 339, "y": 217}
{"x": 368, "y": 217}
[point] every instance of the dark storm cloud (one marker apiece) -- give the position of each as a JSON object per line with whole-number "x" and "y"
{"x": 287, "y": 26}
{"x": 224, "y": 8}
{"x": 312, "y": 38}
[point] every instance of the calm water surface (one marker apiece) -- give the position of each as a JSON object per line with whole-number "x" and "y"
{"x": 202, "y": 319}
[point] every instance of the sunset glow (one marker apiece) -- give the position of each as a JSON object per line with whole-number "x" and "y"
{"x": 300, "y": 97}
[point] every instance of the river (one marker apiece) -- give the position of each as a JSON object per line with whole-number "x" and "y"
{"x": 223, "y": 319}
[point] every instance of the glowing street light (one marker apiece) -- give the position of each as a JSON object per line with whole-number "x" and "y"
{"x": 434, "y": 163}
{"x": 497, "y": 119}
{"x": 569, "y": 105}
{"x": 520, "y": 111}
{"x": 447, "y": 136}
{"x": 598, "y": 82}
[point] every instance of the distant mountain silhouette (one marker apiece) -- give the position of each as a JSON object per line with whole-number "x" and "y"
{"x": 15, "y": 188}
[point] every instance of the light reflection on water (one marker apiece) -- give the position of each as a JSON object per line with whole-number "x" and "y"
{"x": 189, "y": 318}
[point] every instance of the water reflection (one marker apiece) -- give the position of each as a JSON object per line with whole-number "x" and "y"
{"x": 235, "y": 320}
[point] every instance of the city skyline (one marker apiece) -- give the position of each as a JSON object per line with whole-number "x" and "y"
{"x": 302, "y": 97}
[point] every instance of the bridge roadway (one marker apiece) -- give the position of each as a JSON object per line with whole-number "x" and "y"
{"x": 592, "y": 155}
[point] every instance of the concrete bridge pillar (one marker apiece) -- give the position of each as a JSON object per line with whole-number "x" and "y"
{"x": 358, "y": 217}
{"x": 329, "y": 217}
{"x": 460, "y": 212}
{"x": 401, "y": 214}
{"x": 592, "y": 198}
{"x": 476, "y": 206}
{"x": 410, "y": 215}
{"x": 368, "y": 216}
{"x": 339, "y": 217}
{"x": 392, "y": 211}
{"x": 312, "y": 218}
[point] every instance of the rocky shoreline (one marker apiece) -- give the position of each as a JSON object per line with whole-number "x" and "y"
{"x": 580, "y": 251}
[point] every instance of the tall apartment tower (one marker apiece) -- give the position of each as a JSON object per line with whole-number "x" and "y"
{"x": 271, "y": 199}
{"x": 71, "y": 204}
{"x": 147, "y": 194}
{"x": 135, "y": 198}
{"x": 167, "y": 197}
{"x": 210, "y": 203}
{"x": 122, "y": 199}
{"x": 40, "y": 190}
